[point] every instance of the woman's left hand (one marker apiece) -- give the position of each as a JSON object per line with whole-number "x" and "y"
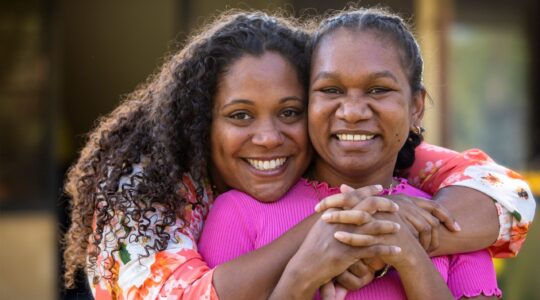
{"x": 422, "y": 216}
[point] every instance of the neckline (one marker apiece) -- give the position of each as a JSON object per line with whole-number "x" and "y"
{"x": 321, "y": 185}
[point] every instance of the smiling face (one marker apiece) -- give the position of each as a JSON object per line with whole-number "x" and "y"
{"x": 258, "y": 136}
{"x": 361, "y": 108}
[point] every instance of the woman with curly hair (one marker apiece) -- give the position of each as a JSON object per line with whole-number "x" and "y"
{"x": 141, "y": 187}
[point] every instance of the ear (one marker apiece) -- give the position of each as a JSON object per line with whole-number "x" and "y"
{"x": 418, "y": 107}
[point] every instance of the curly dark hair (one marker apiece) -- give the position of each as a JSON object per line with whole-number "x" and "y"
{"x": 163, "y": 126}
{"x": 383, "y": 21}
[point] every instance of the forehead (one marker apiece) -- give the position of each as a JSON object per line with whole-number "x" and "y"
{"x": 349, "y": 50}
{"x": 250, "y": 77}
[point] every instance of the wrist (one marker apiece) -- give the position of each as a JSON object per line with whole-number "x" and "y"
{"x": 295, "y": 283}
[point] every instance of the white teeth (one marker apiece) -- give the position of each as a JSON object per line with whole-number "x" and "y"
{"x": 266, "y": 165}
{"x": 354, "y": 137}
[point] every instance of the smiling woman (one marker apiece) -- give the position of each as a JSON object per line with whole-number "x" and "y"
{"x": 258, "y": 131}
{"x": 360, "y": 107}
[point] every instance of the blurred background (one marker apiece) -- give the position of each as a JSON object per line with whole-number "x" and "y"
{"x": 65, "y": 63}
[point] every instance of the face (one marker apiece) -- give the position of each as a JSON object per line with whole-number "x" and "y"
{"x": 259, "y": 133}
{"x": 361, "y": 108}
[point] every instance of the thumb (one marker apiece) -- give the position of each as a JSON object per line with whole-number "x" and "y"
{"x": 345, "y": 188}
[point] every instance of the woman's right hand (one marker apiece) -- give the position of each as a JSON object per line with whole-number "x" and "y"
{"x": 423, "y": 217}
{"x": 321, "y": 256}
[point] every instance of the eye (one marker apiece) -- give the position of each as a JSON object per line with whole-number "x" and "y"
{"x": 290, "y": 113}
{"x": 331, "y": 90}
{"x": 240, "y": 115}
{"x": 378, "y": 90}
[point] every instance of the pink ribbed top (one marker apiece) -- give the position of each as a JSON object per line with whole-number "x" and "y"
{"x": 238, "y": 224}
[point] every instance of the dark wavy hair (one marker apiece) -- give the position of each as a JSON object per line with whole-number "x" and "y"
{"x": 398, "y": 30}
{"x": 164, "y": 126}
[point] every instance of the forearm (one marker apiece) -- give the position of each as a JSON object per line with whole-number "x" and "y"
{"x": 293, "y": 285}
{"x": 477, "y": 216}
{"x": 254, "y": 275}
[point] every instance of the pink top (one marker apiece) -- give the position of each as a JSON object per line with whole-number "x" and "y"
{"x": 238, "y": 224}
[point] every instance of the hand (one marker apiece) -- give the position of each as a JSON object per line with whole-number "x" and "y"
{"x": 321, "y": 256}
{"x": 424, "y": 218}
{"x": 349, "y": 198}
{"x": 359, "y": 274}
{"x": 333, "y": 291}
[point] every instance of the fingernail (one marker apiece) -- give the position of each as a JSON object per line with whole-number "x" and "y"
{"x": 345, "y": 188}
{"x": 458, "y": 228}
{"x": 398, "y": 227}
{"x": 396, "y": 249}
{"x": 326, "y": 216}
{"x": 339, "y": 235}
{"x": 395, "y": 206}
{"x": 317, "y": 207}
{"x": 378, "y": 187}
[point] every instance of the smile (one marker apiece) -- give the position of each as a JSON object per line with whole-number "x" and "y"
{"x": 354, "y": 137}
{"x": 265, "y": 165}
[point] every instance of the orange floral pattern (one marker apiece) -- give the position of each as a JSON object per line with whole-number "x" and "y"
{"x": 180, "y": 273}
{"x": 437, "y": 167}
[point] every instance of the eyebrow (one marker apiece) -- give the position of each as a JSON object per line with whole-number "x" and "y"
{"x": 249, "y": 102}
{"x": 371, "y": 76}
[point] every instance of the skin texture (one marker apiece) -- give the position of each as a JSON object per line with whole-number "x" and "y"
{"x": 263, "y": 268}
{"x": 344, "y": 100}
{"x": 358, "y": 86}
{"x": 255, "y": 122}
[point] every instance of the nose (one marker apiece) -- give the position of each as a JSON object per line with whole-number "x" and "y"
{"x": 353, "y": 110}
{"x": 268, "y": 135}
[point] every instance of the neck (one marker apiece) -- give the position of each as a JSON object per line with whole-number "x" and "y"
{"x": 326, "y": 173}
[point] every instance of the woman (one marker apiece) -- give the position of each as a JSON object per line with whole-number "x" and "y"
{"x": 140, "y": 189}
{"x": 364, "y": 106}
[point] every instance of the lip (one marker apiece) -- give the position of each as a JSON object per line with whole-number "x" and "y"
{"x": 271, "y": 172}
{"x": 355, "y": 145}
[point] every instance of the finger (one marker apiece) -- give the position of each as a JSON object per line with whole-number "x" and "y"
{"x": 423, "y": 228}
{"x": 328, "y": 291}
{"x": 347, "y": 200}
{"x": 355, "y": 239}
{"x": 376, "y": 250}
{"x": 341, "y": 292}
{"x": 349, "y": 281}
{"x": 345, "y": 188}
{"x": 434, "y": 239}
{"x": 434, "y": 230}
{"x": 440, "y": 212}
{"x": 377, "y": 204}
{"x": 361, "y": 268}
{"x": 353, "y": 217}
{"x": 373, "y": 264}
{"x": 377, "y": 227}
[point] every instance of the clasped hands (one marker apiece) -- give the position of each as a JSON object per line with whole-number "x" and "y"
{"x": 379, "y": 216}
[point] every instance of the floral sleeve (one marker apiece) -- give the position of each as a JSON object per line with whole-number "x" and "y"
{"x": 135, "y": 272}
{"x": 436, "y": 167}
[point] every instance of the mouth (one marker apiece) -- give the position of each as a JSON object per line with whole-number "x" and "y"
{"x": 348, "y": 137}
{"x": 267, "y": 164}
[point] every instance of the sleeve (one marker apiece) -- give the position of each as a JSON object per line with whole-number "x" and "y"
{"x": 178, "y": 272}
{"x": 127, "y": 267}
{"x": 436, "y": 167}
{"x": 228, "y": 232}
{"x": 472, "y": 274}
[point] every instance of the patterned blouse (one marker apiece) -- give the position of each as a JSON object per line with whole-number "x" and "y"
{"x": 178, "y": 272}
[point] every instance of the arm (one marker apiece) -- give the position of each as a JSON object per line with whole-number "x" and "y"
{"x": 436, "y": 168}
{"x": 321, "y": 257}
{"x": 419, "y": 277}
{"x": 255, "y": 274}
